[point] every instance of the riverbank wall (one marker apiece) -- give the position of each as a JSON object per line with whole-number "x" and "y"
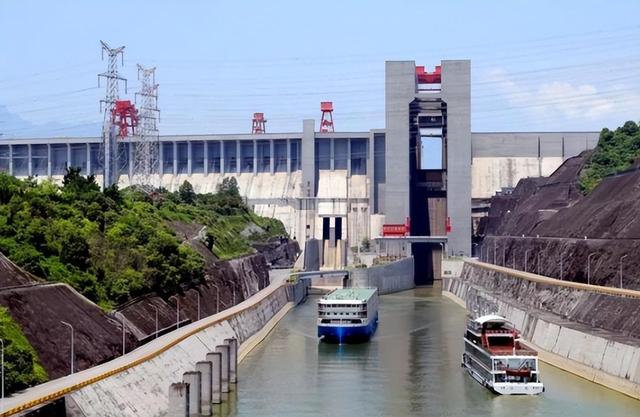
{"x": 590, "y": 331}
{"x": 137, "y": 384}
{"x": 388, "y": 278}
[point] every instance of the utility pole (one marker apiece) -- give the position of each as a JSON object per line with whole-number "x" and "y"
{"x": 109, "y": 149}
{"x": 145, "y": 171}
{"x": 124, "y": 334}
{"x": 156, "y": 309}
{"x": 589, "y": 267}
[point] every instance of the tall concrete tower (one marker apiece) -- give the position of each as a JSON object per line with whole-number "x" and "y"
{"x": 428, "y": 155}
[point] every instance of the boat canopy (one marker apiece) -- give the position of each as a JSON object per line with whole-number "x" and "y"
{"x": 490, "y": 318}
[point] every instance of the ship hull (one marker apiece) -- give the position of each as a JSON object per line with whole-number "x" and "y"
{"x": 346, "y": 333}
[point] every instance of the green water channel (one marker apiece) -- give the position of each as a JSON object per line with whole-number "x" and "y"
{"x": 410, "y": 368}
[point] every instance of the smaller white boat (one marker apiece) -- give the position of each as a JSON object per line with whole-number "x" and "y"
{"x": 496, "y": 358}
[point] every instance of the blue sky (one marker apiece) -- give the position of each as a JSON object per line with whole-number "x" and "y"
{"x": 539, "y": 65}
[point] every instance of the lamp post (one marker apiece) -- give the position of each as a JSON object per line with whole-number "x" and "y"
{"x": 72, "y": 342}
{"x": 526, "y": 256}
{"x": 2, "y": 360}
{"x": 589, "y": 267}
{"x": 177, "y": 310}
{"x": 198, "y": 294}
{"x": 124, "y": 335}
{"x": 156, "y": 309}
{"x": 624, "y": 256}
{"x": 217, "y": 298}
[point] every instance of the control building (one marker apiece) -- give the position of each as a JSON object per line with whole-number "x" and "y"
{"x": 340, "y": 187}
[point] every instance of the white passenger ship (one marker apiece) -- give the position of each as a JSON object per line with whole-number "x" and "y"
{"x": 348, "y": 315}
{"x": 495, "y": 357}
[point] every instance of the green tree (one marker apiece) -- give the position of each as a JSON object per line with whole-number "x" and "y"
{"x": 186, "y": 192}
{"x": 616, "y": 151}
{"x": 75, "y": 183}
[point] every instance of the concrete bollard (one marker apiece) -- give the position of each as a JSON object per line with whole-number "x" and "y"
{"x": 216, "y": 376}
{"x": 205, "y": 369}
{"x": 224, "y": 350}
{"x": 193, "y": 379}
{"x": 233, "y": 360}
{"x": 178, "y": 400}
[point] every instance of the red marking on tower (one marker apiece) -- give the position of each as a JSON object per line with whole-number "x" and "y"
{"x": 326, "y": 121}
{"x": 125, "y": 117}
{"x": 259, "y": 123}
{"x": 397, "y": 230}
{"x": 426, "y": 77}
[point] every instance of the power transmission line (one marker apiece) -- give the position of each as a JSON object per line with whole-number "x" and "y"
{"x": 145, "y": 171}
{"x": 109, "y": 150}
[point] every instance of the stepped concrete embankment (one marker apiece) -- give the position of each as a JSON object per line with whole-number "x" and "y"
{"x": 591, "y": 331}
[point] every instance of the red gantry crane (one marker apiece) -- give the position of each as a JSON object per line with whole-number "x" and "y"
{"x": 326, "y": 121}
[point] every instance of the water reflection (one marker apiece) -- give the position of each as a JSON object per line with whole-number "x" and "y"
{"x": 411, "y": 367}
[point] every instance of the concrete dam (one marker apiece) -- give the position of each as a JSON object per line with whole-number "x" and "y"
{"x": 341, "y": 187}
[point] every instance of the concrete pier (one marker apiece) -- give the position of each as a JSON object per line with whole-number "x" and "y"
{"x": 178, "y": 400}
{"x": 216, "y": 376}
{"x": 205, "y": 369}
{"x": 224, "y": 351}
{"x": 233, "y": 360}
{"x": 193, "y": 379}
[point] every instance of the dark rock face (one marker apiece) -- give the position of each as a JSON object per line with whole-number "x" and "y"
{"x": 40, "y": 309}
{"x": 12, "y": 275}
{"x": 620, "y": 315}
{"x": 555, "y": 218}
{"x": 236, "y": 280}
{"x": 535, "y": 199}
{"x": 281, "y": 252}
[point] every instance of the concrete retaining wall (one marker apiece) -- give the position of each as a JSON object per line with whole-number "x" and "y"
{"x": 389, "y": 278}
{"x": 142, "y": 390}
{"x": 608, "y": 358}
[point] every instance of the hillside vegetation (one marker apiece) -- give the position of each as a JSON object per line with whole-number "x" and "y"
{"x": 22, "y": 365}
{"x": 114, "y": 245}
{"x": 616, "y": 151}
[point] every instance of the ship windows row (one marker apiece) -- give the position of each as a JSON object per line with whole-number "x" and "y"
{"x": 322, "y": 305}
{"x": 327, "y": 314}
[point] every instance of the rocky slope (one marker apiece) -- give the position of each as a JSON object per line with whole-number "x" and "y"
{"x": 548, "y": 226}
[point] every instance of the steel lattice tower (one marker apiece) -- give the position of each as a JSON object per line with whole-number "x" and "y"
{"x": 109, "y": 149}
{"x": 145, "y": 172}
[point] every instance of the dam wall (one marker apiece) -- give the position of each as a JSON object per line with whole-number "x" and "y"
{"x": 388, "y": 278}
{"x": 591, "y": 332}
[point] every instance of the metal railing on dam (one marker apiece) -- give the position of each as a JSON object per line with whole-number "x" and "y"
{"x": 529, "y": 276}
{"x": 58, "y": 388}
